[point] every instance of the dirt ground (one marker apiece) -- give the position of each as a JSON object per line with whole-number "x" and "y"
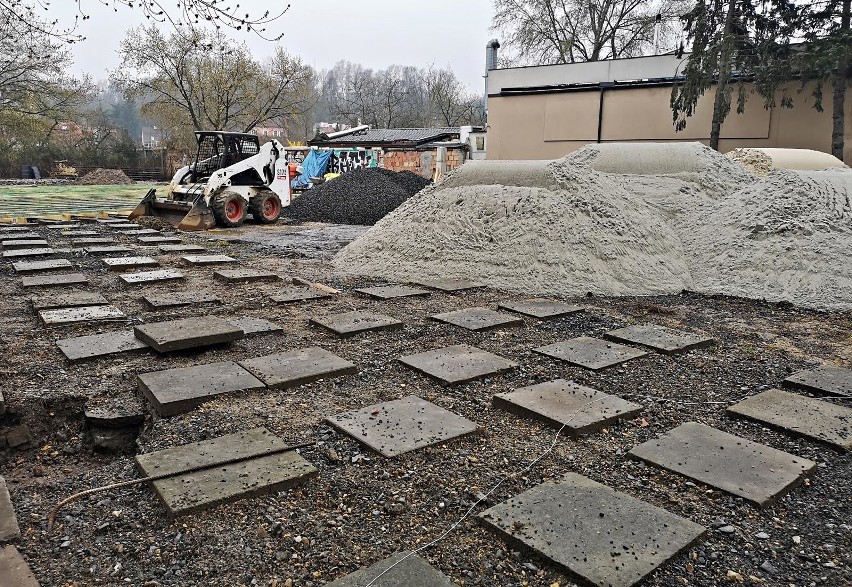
{"x": 362, "y": 507}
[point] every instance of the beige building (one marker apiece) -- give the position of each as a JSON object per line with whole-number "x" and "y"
{"x": 545, "y": 112}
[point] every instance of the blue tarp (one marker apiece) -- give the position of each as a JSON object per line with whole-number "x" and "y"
{"x": 314, "y": 165}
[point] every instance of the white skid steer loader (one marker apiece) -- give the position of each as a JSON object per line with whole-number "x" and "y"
{"x": 233, "y": 175}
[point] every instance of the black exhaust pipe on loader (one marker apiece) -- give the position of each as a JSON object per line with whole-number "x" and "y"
{"x": 182, "y": 215}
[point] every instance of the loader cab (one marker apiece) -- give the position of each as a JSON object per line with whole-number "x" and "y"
{"x": 218, "y": 150}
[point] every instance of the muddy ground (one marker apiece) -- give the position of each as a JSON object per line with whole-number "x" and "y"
{"x": 362, "y": 507}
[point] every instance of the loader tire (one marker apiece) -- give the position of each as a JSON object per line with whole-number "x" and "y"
{"x": 229, "y": 209}
{"x": 265, "y": 207}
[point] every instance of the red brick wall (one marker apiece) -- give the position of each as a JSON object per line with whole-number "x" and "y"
{"x": 420, "y": 162}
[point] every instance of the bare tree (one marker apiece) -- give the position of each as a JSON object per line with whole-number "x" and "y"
{"x": 204, "y": 81}
{"x": 451, "y": 104}
{"x": 568, "y": 31}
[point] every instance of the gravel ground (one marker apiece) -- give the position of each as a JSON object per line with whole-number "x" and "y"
{"x": 363, "y": 507}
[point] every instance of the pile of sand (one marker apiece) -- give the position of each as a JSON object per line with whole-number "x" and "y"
{"x": 105, "y": 177}
{"x": 624, "y": 220}
{"x": 760, "y": 161}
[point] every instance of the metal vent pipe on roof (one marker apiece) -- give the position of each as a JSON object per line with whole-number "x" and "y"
{"x": 491, "y": 54}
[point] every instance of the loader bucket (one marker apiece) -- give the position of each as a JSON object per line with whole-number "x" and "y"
{"x": 181, "y": 215}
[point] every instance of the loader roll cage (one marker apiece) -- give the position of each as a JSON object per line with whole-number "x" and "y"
{"x": 217, "y": 150}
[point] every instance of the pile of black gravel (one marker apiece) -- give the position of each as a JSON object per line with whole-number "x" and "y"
{"x": 362, "y": 196}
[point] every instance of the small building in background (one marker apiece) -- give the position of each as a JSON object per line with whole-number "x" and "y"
{"x": 428, "y": 152}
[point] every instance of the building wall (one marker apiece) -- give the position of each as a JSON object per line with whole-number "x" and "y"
{"x": 420, "y": 162}
{"x": 550, "y": 125}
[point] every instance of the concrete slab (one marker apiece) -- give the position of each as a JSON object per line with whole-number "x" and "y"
{"x": 81, "y": 348}
{"x": 298, "y": 367}
{"x": 208, "y": 259}
{"x": 458, "y": 364}
{"x": 112, "y": 221}
{"x": 119, "y": 263}
{"x": 403, "y": 425}
{"x": 478, "y": 319}
{"x": 143, "y": 277}
{"x": 352, "y": 323}
{"x": 189, "y": 333}
{"x": 448, "y": 285}
{"x": 14, "y": 229}
{"x": 11, "y": 245}
{"x": 108, "y": 250}
{"x": 68, "y": 300}
{"x": 60, "y": 316}
{"x": 9, "y": 530}
{"x": 79, "y": 233}
{"x": 599, "y": 535}
{"x": 825, "y": 380}
{"x": 181, "y": 298}
{"x": 805, "y": 416}
{"x": 24, "y": 234}
{"x": 290, "y": 295}
{"x": 250, "y": 325}
{"x": 411, "y": 572}
{"x": 591, "y": 353}
{"x": 116, "y": 412}
{"x": 159, "y": 240}
{"x": 541, "y": 308}
{"x": 87, "y": 242}
{"x": 660, "y": 338}
{"x": 741, "y": 467}
{"x": 559, "y": 402}
{"x": 14, "y": 570}
{"x": 181, "y": 390}
{"x": 22, "y": 253}
{"x": 260, "y": 473}
{"x": 55, "y": 280}
{"x": 387, "y": 292}
{"x": 39, "y": 266}
{"x": 121, "y": 225}
{"x": 141, "y": 232}
{"x": 245, "y": 275}
{"x": 181, "y": 248}
{"x": 62, "y": 225}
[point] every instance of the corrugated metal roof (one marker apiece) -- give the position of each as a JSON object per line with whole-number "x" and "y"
{"x": 392, "y": 135}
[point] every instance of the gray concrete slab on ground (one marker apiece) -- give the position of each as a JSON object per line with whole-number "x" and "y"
{"x": 188, "y": 333}
{"x": 591, "y": 353}
{"x": 177, "y": 391}
{"x": 561, "y": 403}
{"x": 14, "y": 229}
{"x": 23, "y": 235}
{"x": 80, "y": 348}
{"x": 659, "y": 338}
{"x": 121, "y": 225}
{"x": 297, "y": 367}
{"x": 411, "y": 572}
{"x": 403, "y": 425}
{"x": 55, "y": 280}
{"x": 59, "y": 316}
{"x": 11, "y": 245}
{"x": 14, "y": 570}
{"x": 386, "y": 292}
{"x": 181, "y": 248}
{"x": 541, "y": 308}
{"x": 9, "y": 530}
{"x": 119, "y": 412}
{"x": 119, "y": 263}
{"x": 597, "y": 534}
{"x": 250, "y": 325}
{"x": 159, "y": 240}
{"x": 108, "y": 250}
{"x": 741, "y": 467}
{"x": 27, "y": 253}
{"x": 208, "y": 259}
{"x": 143, "y": 277}
{"x": 181, "y": 298}
{"x": 79, "y": 233}
{"x": 259, "y": 473}
{"x": 478, "y": 319}
{"x": 352, "y": 323}
{"x": 86, "y": 242}
{"x": 112, "y": 221}
{"x": 38, "y": 266}
{"x": 290, "y": 295}
{"x": 141, "y": 232}
{"x": 826, "y": 380}
{"x": 448, "y": 285}
{"x": 62, "y": 225}
{"x": 245, "y": 275}
{"x": 806, "y": 416}
{"x": 68, "y": 300}
{"x": 458, "y": 363}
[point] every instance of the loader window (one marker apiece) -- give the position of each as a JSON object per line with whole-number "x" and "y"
{"x": 209, "y": 158}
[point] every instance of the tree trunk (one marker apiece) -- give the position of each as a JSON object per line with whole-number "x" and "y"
{"x": 838, "y": 118}
{"x": 724, "y": 78}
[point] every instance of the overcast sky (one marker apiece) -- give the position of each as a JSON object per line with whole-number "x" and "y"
{"x": 375, "y": 33}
